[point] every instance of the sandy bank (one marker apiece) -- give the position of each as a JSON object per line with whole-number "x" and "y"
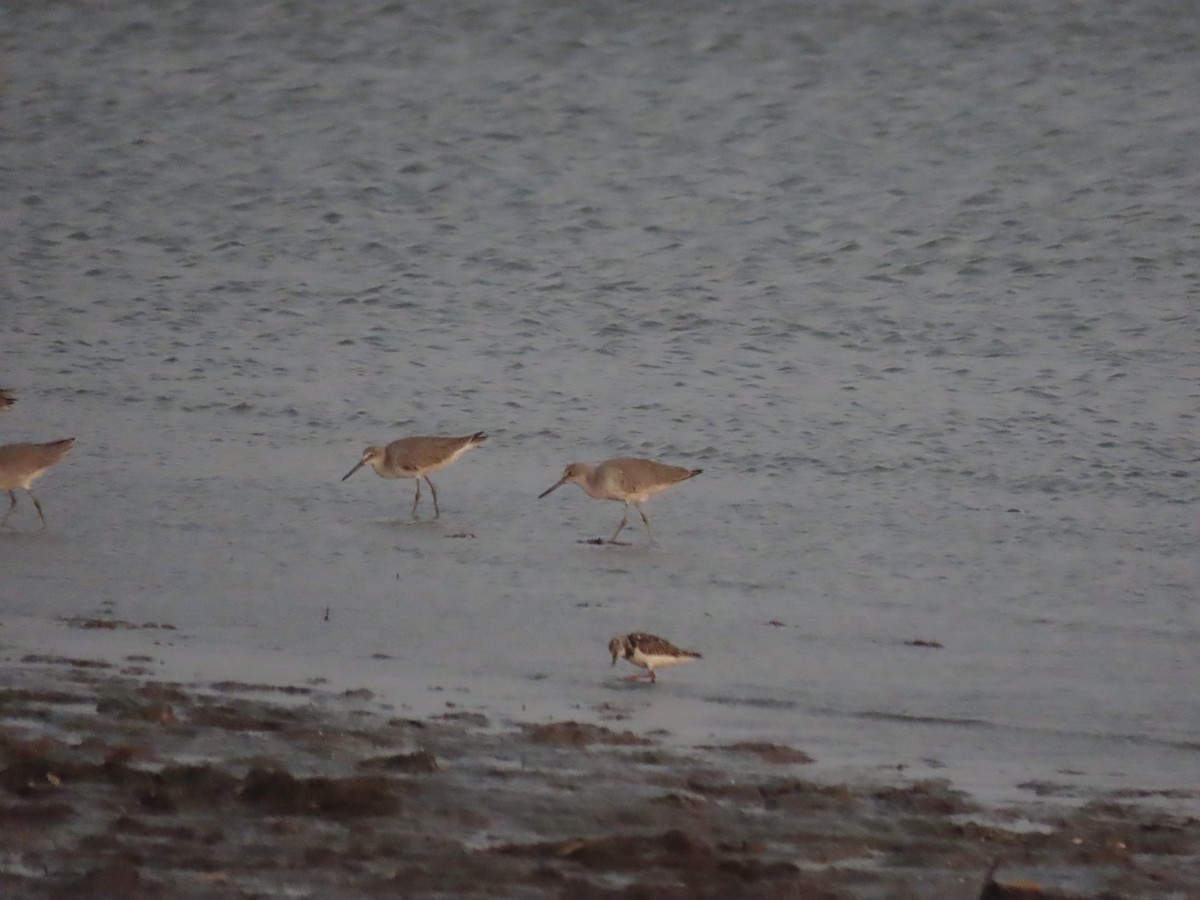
{"x": 115, "y": 785}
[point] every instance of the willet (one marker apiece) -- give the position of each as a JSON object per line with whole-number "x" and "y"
{"x": 626, "y": 479}
{"x": 6, "y": 399}
{"x": 648, "y": 652}
{"x": 20, "y": 464}
{"x": 417, "y": 457}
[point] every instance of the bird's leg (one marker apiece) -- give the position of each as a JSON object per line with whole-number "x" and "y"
{"x": 416, "y": 499}
{"x": 649, "y": 536}
{"x": 624, "y": 521}
{"x": 653, "y": 677}
{"x": 437, "y": 513}
{"x": 11, "y": 506}
{"x": 41, "y": 515}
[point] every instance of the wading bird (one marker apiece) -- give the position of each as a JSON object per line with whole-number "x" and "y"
{"x": 417, "y": 458}
{"x": 626, "y": 479}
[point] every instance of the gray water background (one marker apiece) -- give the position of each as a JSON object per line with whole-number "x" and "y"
{"x": 914, "y": 283}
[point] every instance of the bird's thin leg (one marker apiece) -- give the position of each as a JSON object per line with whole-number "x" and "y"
{"x": 416, "y": 499}
{"x": 41, "y": 515}
{"x": 624, "y": 521}
{"x": 11, "y": 506}
{"x": 653, "y": 677}
{"x": 649, "y": 536}
{"x": 437, "y": 513}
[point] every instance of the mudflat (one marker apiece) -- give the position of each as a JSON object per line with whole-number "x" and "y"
{"x": 113, "y": 784}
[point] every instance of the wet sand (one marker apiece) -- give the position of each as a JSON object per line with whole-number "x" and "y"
{"x": 914, "y": 283}
{"x": 115, "y": 784}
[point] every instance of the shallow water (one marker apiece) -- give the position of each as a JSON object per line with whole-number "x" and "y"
{"x": 916, "y": 286}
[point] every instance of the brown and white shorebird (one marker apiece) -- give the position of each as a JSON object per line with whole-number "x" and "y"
{"x": 6, "y": 399}
{"x": 625, "y": 478}
{"x": 20, "y": 464}
{"x": 648, "y": 652}
{"x": 417, "y": 457}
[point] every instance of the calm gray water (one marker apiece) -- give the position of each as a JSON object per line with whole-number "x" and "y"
{"x": 916, "y": 285}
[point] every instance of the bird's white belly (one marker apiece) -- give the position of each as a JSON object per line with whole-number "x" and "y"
{"x": 656, "y": 660}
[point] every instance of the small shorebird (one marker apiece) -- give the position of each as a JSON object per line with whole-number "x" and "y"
{"x": 20, "y": 464}
{"x": 6, "y": 400}
{"x": 625, "y": 478}
{"x": 648, "y": 652}
{"x": 417, "y": 457}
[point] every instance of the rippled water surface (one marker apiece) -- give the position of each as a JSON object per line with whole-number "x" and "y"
{"x": 915, "y": 284}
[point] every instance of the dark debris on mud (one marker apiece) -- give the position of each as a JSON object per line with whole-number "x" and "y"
{"x": 120, "y": 788}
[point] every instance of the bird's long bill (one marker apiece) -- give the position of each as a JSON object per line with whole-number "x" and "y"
{"x": 552, "y": 487}
{"x": 352, "y": 471}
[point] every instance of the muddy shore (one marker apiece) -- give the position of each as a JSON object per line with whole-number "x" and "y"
{"x": 113, "y": 784}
